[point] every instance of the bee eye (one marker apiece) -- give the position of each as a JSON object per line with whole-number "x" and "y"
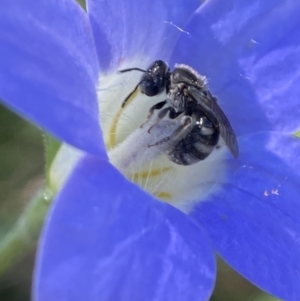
{"x": 151, "y": 85}
{"x": 148, "y": 88}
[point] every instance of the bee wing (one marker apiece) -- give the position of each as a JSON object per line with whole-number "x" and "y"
{"x": 211, "y": 108}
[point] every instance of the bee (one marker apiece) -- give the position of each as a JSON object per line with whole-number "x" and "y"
{"x": 188, "y": 99}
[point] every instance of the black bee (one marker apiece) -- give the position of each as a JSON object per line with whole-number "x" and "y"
{"x": 187, "y": 96}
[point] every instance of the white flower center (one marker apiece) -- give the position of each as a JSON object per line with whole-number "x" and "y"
{"x": 137, "y": 144}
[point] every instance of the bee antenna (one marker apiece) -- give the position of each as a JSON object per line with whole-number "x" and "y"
{"x": 131, "y": 69}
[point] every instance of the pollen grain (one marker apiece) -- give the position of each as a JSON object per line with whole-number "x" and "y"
{"x": 163, "y": 195}
{"x": 150, "y": 174}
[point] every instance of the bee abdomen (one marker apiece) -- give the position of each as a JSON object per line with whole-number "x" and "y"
{"x": 194, "y": 147}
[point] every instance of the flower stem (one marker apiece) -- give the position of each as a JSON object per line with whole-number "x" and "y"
{"x": 24, "y": 234}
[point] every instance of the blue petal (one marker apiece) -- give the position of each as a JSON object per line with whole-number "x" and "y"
{"x": 250, "y": 52}
{"x": 253, "y": 218}
{"x": 125, "y": 30}
{"x": 48, "y": 69}
{"x": 106, "y": 239}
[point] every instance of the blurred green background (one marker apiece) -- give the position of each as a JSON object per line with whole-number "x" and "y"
{"x": 21, "y": 175}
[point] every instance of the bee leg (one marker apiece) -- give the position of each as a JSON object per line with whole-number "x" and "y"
{"x": 184, "y": 128}
{"x": 162, "y": 114}
{"x": 157, "y": 106}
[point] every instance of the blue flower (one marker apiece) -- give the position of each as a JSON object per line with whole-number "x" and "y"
{"x": 107, "y": 239}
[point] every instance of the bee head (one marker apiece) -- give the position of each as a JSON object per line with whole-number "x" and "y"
{"x": 155, "y": 79}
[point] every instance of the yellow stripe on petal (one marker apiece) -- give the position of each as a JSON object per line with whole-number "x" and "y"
{"x": 163, "y": 195}
{"x": 113, "y": 129}
{"x": 297, "y": 134}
